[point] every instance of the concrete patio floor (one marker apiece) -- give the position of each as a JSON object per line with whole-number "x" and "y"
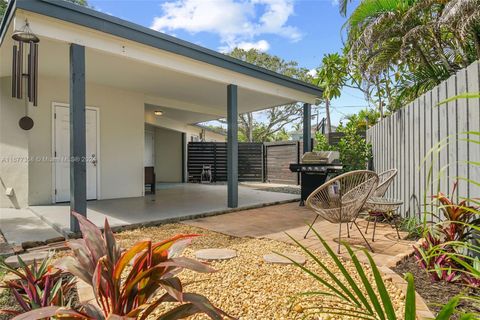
{"x": 275, "y": 222}
{"x": 171, "y": 202}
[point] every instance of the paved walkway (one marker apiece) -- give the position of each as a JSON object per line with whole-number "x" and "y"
{"x": 275, "y": 222}
{"x": 22, "y": 225}
{"x": 171, "y": 203}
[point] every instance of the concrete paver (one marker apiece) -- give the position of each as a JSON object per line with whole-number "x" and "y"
{"x": 281, "y": 221}
{"x": 21, "y": 225}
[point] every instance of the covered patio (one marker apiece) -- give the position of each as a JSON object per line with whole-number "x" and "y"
{"x": 100, "y": 82}
{"x": 172, "y": 202}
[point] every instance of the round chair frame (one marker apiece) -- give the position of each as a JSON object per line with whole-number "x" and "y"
{"x": 340, "y": 199}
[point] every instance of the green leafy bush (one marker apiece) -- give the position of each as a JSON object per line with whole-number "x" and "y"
{"x": 322, "y": 143}
{"x": 413, "y": 227}
{"x": 355, "y": 152}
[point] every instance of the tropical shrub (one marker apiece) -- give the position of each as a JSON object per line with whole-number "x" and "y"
{"x": 322, "y": 143}
{"x": 127, "y": 283}
{"x": 413, "y": 227}
{"x": 348, "y": 293}
{"x": 37, "y": 286}
{"x": 355, "y": 152}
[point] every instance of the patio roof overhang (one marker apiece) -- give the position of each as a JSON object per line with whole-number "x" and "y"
{"x": 170, "y": 72}
{"x": 81, "y": 46}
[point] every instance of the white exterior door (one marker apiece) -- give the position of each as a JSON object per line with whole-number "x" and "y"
{"x": 149, "y": 157}
{"x": 62, "y": 153}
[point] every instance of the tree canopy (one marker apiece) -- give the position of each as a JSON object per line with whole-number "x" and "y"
{"x": 403, "y": 48}
{"x": 270, "y": 124}
{"x": 3, "y": 7}
{"x": 4, "y": 3}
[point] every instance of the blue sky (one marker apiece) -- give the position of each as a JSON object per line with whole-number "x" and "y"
{"x": 299, "y": 30}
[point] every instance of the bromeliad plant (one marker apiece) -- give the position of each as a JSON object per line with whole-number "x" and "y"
{"x": 443, "y": 251}
{"x": 431, "y": 256}
{"x": 448, "y": 260}
{"x": 37, "y": 286}
{"x": 131, "y": 284}
{"x": 360, "y": 299}
{"x": 457, "y": 216}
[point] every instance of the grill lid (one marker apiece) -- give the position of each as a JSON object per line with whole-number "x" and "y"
{"x": 321, "y": 157}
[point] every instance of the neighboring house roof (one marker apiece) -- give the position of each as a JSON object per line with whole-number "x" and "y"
{"x": 109, "y": 24}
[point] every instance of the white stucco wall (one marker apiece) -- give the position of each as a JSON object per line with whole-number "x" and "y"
{"x": 121, "y": 141}
{"x": 168, "y": 155}
{"x": 13, "y": 149}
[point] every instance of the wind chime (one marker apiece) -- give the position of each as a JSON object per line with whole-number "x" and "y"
{"x": 25, "y": 61}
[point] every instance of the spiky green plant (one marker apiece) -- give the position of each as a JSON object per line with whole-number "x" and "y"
{"x": 36, "y": 286}
{"x": 362, "y": 300}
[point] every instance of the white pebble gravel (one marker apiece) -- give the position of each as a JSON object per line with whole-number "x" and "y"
{"x": 247, "y": 287}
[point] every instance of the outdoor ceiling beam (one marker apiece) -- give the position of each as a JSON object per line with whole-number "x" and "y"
{"x": 78, "y": 176}
{"x": 307, "y": 127}
{"x": 232, "y": 145}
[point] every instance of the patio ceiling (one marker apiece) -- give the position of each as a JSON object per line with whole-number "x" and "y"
{"x": 182, "y": 116}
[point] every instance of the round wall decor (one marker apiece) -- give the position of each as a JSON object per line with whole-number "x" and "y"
{"x": 26, "y": 123}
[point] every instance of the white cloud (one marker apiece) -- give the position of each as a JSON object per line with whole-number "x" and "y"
{"x": 260, "y": 45}
{"x": 312, "y": 72}
{"x": 237, "y": 22}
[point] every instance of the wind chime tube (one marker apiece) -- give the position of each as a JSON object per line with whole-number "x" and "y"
{"x": 14, "y": 72}
{"x": 29, "y": 74}
{"x": 35, "y": 74}
{"x": 20, "y": 70}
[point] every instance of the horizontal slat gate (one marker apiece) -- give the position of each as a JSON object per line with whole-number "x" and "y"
{"x": 250, "y": 161}
{"x": 278, "y": 156}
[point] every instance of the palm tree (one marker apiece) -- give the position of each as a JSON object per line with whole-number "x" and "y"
{"x": 423, "y": 41}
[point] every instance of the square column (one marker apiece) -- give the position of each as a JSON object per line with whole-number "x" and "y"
{"x": 232, "y": 145}
{"x": 78, "y": 176}
{"x": 307, "y": 128}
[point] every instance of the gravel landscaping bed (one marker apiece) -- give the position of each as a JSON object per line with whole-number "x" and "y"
{"x": 245, "y": 286}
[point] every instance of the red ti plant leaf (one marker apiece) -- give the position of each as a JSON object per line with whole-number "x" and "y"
{"x": 92, "y": 236}
{"x": 125, "y": 283}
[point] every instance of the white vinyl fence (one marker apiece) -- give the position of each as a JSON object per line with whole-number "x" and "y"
{"x": 405, "y": 141}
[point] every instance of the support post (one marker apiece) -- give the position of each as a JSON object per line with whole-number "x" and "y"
{"x": 184, "y": 158}
{"x": 232, "y": 145}
{"x": 78, "y": 176}
{"x": 307, "y": 127}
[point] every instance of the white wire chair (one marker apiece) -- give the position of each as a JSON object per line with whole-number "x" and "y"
{"x": 385, "y": 178}
{"x": 340, "y": 199}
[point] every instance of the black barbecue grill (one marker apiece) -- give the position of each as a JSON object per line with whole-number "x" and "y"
{"x": 315, "y": 168}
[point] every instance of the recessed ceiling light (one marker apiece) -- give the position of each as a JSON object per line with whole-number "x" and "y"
{"x": 158, "y": 113}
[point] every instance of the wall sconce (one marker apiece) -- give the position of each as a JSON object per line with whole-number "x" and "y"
{"x": 158, "y": 113}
